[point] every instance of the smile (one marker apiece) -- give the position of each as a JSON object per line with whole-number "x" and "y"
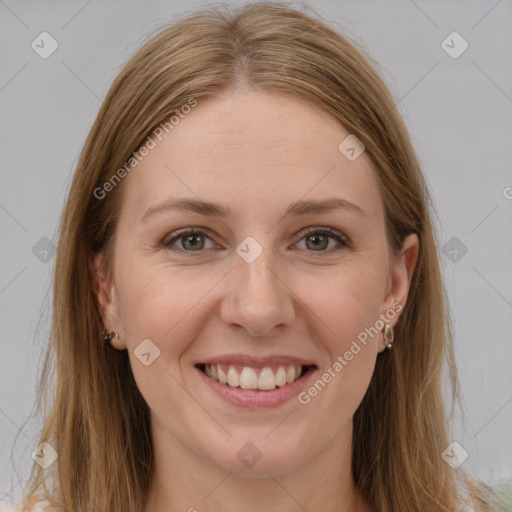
{"x": 265, "y": 378}
{"x": 255, "y": 382}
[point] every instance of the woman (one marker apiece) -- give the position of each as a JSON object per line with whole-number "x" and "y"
{"x": 248, "y": 308}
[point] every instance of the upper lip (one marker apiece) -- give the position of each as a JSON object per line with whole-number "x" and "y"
{"x": 256, "y": 362}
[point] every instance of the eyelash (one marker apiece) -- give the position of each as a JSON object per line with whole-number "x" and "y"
{"x": 332, "y": 233}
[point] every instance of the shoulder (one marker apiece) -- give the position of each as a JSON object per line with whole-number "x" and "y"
{"x": 466, "y": 504}
{"x": 467, "y": 507}
{"x": 473, "y": 495}
{"x": 8, "y": 508}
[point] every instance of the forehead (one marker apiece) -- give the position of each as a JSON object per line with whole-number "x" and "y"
{"x": 252, "y": 150}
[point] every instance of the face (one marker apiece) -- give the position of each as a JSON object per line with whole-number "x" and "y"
{"x": 270, "y": 287}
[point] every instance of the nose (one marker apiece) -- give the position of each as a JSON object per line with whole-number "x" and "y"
{"x": 258, "y": 297}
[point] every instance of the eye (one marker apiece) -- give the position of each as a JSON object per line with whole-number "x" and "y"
{"x": 317, "y": 239}
{"x": 192, "y": 240}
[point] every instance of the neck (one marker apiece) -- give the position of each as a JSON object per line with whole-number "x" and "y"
{"x": 183, "y": 481}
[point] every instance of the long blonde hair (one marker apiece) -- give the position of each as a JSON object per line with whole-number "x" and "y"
{"x": 94, "y": 415}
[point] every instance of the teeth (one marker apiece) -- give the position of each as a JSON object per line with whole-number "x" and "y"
{"x": 267, "y": 379}
{"x": 233, "y": 377}
{"x": 223, "y": 378}
{"x": 280, "y": 376}
{"x": 248, "y": 378}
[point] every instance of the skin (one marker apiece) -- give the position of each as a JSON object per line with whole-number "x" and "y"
{"x": 256, "y": 153}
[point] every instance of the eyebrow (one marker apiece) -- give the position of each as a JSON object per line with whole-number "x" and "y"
{"x": 208, "y": 208}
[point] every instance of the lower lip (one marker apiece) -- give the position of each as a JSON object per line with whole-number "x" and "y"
{"x": 257, "y": 399}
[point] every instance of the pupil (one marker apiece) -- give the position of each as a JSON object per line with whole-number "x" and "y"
{"x": 194, "y": 241}
{"x": 317, "y": 243}
{"x": 189, "y": 239}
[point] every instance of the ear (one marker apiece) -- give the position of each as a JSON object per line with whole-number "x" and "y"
{"x": 400, "y": 280}
{"x": 107, "y": 302}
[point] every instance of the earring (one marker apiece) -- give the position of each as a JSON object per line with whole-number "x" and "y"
{"x": 389, "y": 335}
{"x": 107, "y": 336}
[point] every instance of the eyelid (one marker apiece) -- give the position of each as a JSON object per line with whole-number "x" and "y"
{"x": 169, "y": 239}
{"x": 333, "y": 233}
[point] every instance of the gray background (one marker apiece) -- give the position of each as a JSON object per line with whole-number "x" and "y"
{"x": 458, "y": 110}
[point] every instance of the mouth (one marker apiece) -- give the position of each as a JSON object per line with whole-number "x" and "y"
{"x": 256, "y": 378}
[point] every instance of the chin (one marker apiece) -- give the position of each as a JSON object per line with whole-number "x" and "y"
{"x": 260, "y": 457}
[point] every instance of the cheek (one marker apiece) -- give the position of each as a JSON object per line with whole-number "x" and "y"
{"x": 161, "y": 304}
{"x": 167, "y": 307}
{"x": 349, "y": 304}
{"x": 351, "y": 346}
